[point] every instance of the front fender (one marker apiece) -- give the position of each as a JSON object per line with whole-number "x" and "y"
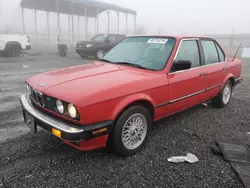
{"x": 109, "y": 110}
{"x": 129, "y": 100}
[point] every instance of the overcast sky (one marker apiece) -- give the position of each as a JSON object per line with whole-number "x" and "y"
{"x": 168, "y": 16}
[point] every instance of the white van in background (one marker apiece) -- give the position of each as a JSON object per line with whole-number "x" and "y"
{"x": 12, "y": 45}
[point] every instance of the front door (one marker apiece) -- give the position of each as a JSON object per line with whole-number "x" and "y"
{"x": 186, "y": 88}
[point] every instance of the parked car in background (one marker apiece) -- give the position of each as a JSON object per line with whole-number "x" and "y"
{"x": 98, "y": 45}
{"x": 12, "y": 45}
{"x": 115, "y": 101}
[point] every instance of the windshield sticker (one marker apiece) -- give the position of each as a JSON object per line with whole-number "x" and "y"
{"x": 158, "y": 41}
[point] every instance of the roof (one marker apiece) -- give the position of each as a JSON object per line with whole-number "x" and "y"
{"x": 111, "y": 34}
{"x": 173, "y": 36}
{"x": 79, "y": 6}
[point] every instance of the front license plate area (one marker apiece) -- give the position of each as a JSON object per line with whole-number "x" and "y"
{"x": 30, "y": 122}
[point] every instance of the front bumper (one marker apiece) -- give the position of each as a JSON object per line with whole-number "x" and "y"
{"x": 86, "y": 51}
{"x": 69, "y": 132}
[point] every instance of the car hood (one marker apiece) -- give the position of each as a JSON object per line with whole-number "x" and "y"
{"x": 75, "y": 83}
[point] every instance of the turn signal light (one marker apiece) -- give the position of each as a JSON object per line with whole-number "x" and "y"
{"x": 56, "y": 132}
{"x": 100, "y": 130}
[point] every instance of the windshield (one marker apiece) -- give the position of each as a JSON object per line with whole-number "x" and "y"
{"x": 148, "y": 52}
{"x": 99, "y": 38}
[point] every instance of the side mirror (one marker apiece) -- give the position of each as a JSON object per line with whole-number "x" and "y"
{"x": 108, "y": 41}
{"x": 181, "y": 65}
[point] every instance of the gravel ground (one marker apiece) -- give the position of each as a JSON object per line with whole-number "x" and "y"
{"x": 44, "y": 161}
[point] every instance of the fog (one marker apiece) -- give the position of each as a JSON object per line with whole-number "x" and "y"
{"x": 156, "y": 16}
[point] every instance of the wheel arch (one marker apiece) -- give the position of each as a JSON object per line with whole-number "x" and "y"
{"x": 115, "y": 136}
{"x": 229, "y": 77}
{"x": 99, "y": 49}
{"x": 232, "y": 80}
{"x": 144, "y": 101}
{"x": 13, "y": 43}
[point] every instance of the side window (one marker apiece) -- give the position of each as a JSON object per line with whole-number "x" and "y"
{"x": 112, "y": 39}
{"x": 221, "y": 54}
{"x": 210, "y": 52}
{"x": 189, "y": 51}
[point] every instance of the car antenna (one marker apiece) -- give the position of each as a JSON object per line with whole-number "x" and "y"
{"x": 236, "y": 52}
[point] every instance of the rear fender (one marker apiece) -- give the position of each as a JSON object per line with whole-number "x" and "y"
{"x": 230, "y": 75}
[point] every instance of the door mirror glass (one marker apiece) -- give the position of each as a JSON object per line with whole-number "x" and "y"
{"x": 181, "y": 65}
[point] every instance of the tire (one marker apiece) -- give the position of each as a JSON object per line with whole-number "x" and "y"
{"x": 122, "y": 128}
{"x": 99, "y": 54}
{"x": 224, "y": 97}
{"x": 13, "y": 50}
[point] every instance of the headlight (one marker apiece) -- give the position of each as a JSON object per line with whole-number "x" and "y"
{"x": 89, "y": 45}
{"x": 59, "y": 106}
{"x": 72, "y": 111}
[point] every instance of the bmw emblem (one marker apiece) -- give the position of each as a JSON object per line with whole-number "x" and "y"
{"x": 41, "y": 85}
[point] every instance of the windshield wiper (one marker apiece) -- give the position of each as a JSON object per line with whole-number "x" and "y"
{"x": 105, "y": 60}
{"x": 132, "y": 65}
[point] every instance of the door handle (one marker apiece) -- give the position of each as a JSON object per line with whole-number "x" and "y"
{"x": 202, "y": 74}
{"x": 224, "y": 68}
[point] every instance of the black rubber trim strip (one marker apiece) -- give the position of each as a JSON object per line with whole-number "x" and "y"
{"x": 85, "y": 135}
{"x": 69, "y": 131}
{"x": 187, "y": 96}
{"x": 179, "y": 99}
{"x": 213, "y": 87}
{"x": 162, "y": 104}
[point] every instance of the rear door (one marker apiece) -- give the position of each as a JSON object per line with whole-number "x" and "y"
{"x": 186, "y": 87}
{"x": 214, "y": 67}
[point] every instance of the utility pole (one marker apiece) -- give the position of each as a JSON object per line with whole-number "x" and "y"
{"x": 231, "y": 42}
